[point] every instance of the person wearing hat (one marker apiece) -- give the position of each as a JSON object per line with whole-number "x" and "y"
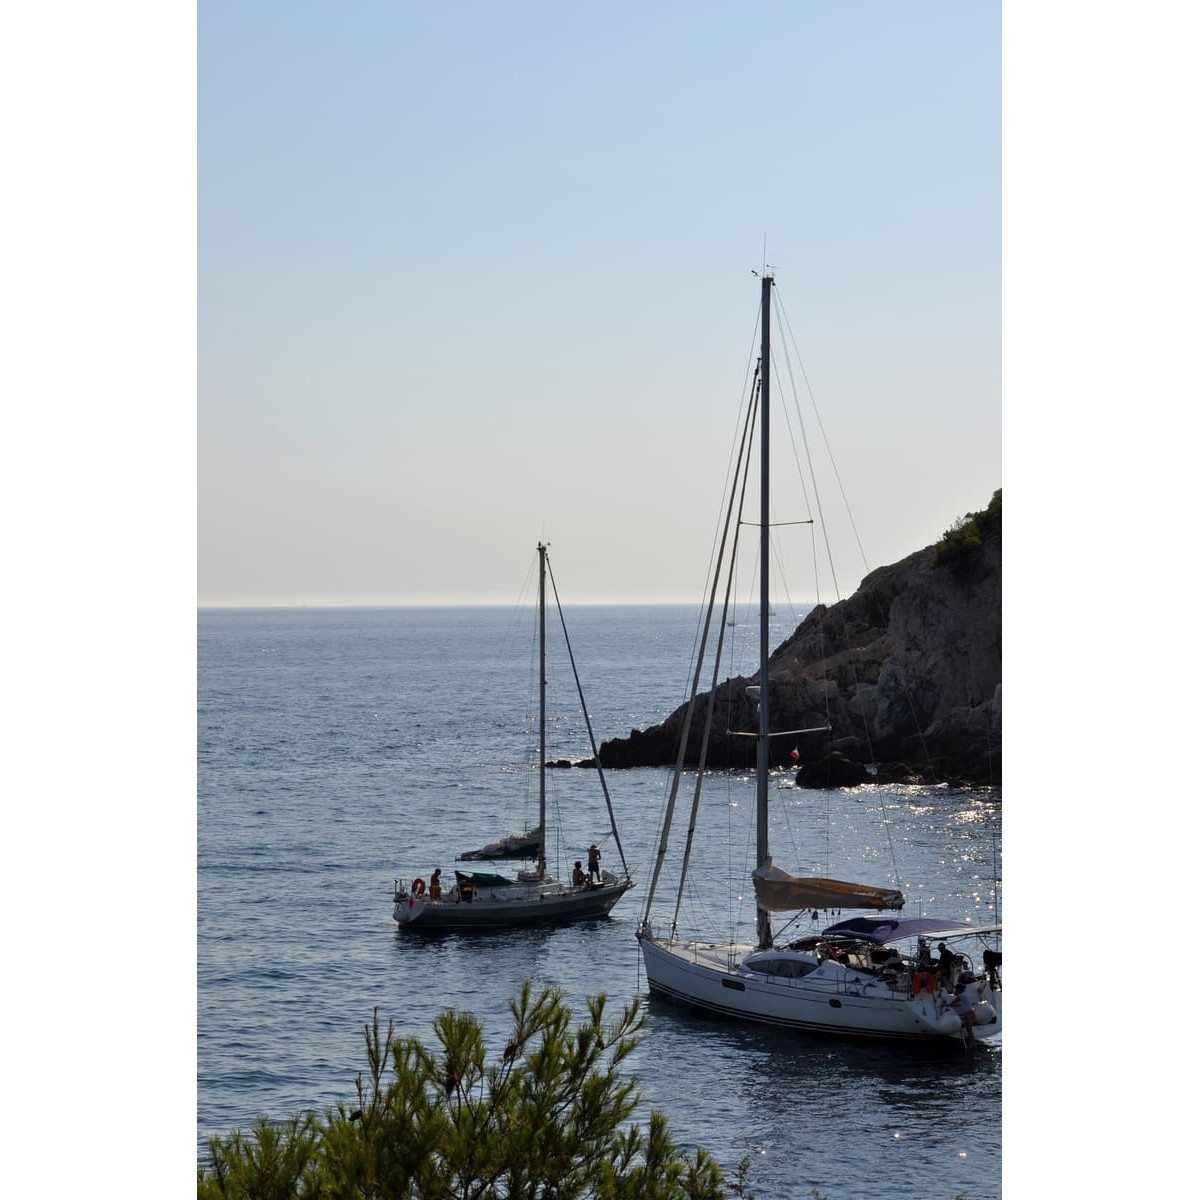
{"x": 593, "y": 862}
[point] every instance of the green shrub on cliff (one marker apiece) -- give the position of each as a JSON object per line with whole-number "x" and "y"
{"x": 968, "y": 533}
{"x": 549, "y": 1119}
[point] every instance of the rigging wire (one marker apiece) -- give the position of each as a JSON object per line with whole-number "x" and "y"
{"x": 587, "y": 719}
{"x": 701, "y": 643}
{"x": 500, "y": 666}
{"x": 750, "y": 384}
{"x": 732, "y": 521}
{"x": 848, "y": 510}
{"x": 804, "y": 440}
{"x": 820, "y": 424}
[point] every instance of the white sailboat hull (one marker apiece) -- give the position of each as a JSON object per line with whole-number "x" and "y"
{"x": 547, "y": 902}
{"x": 829, "y": 999}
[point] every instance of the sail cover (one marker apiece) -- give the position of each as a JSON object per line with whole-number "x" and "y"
{"x": 517, "y": 845}
{"x": 777, "y": 891}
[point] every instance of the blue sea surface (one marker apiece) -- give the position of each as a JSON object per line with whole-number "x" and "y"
{"x": 342, "y": 749}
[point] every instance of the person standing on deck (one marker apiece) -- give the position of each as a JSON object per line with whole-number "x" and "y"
{"x": 593, "y": 862}
{"x": 947, "y": 962}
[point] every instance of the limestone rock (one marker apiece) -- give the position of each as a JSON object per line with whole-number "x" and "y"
{"x": 906, "y": 672}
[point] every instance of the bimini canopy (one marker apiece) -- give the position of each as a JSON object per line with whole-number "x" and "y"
{"x": 777, "y": 891}
{"x": 886, "y": 929}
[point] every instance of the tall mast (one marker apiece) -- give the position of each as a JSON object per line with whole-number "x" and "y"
{"x": 542, "y": 705}
{"x": 764, "y": 598}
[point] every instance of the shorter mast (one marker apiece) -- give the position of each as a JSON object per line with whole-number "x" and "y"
{"x": 541, "y": 864}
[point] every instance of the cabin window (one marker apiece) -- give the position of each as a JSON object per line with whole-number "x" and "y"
{"x": 783, "y": 968}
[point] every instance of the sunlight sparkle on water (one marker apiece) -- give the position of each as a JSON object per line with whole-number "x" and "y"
{"x": 977, "y": 815}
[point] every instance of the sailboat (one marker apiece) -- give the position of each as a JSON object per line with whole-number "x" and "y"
{"x": 481, "y": 899}
{"x": 869, "y": 976}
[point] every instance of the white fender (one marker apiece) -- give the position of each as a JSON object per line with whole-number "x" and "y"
{"x": 926, "y": 1011}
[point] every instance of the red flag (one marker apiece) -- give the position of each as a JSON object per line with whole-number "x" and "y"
{"x": 795, "y": 756}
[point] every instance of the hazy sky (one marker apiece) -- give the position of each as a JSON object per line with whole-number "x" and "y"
{"x": 476, "y": 274}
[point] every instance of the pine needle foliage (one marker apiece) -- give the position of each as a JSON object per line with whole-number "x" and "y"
{"x": 550, "y": 1120}
{"x": 968, "y": 533}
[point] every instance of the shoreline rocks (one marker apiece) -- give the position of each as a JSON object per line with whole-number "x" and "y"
{"x": 906, "y": 673}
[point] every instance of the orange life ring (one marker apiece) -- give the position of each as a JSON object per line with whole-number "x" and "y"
{"x": 924, "y": 981}
{"x": 418, "y": 887}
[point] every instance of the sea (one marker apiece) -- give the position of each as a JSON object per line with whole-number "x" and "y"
{"x": 341, "y": 750}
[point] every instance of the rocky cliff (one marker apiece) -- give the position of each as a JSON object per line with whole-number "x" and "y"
{"x": 906, "y": 673}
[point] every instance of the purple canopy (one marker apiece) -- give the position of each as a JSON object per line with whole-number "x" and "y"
{"x": 892, "y": 929}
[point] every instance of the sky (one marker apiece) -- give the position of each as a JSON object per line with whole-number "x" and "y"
{"x": 291, "y": 297}
{"x": 474, "y": 275}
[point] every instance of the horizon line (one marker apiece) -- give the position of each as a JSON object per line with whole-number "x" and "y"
{"x": 343, "y": 604}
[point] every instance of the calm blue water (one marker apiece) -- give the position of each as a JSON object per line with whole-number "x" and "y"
{"x": 341, "y": 749}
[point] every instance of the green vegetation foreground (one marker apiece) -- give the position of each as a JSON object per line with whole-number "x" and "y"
{"x": 548, "y": 1120}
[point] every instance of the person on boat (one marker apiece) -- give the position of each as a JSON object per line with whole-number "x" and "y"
{"x": 924, "y": 977}
{"x": 947, "y": 962}
{"x": 578, "y": 878}
{"x": 965, "y": 996}
{"x": 991, "y": 960}
{"x": 435, "y": 885}
{"x": 593, "y": 862}
{"x": 893, "y": 965}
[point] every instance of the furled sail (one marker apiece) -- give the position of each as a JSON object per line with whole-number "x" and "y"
{"x": 777, "y": 891}
{"x": 517, "y": 845}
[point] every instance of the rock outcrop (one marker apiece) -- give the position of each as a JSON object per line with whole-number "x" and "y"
{"x": 905, "y": 673}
